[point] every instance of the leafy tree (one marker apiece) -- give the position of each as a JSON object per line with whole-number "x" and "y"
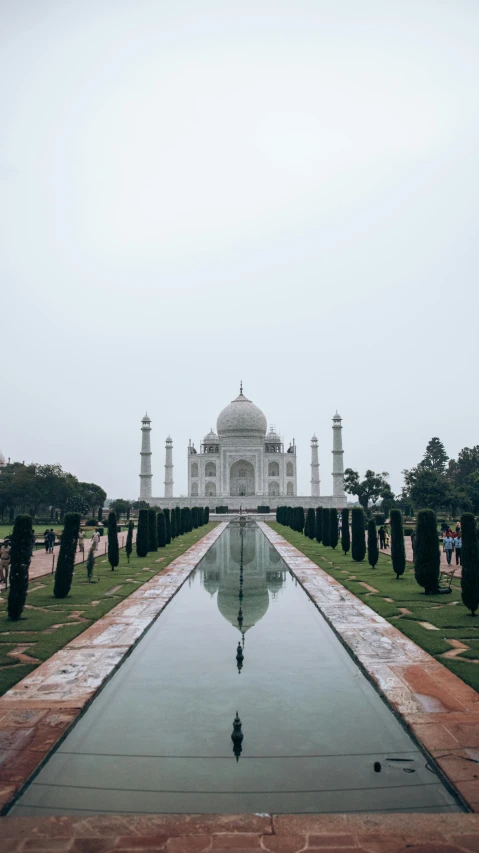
{"x": 435, "y": 458}
{"x": 369, "y": 490}
{"x": 373, "y": 550}
{"x": 161, "y": 526}
{"x": 113, "y": 550}
{"x": 94, "y": 496}
{"x": 120, "y": 507}
{"x": 167, "y": 525}
{"x": 76, "y": 503}
{"x": 129, "y": 540}
{"x": 326, "y": 532}
{"x": 467, "y": 463}
{"x": 152, "y": 530}
{"x": 427, "y": 558}
{"x": 428, "y": 489}
{"x": 333, "y": 527}
{"x": 20, "y": 556}
{"x": 398, "y": 551}
{"x": 143, "y": 533}
{"x": 173, "y": 524}
{"x": 319, "y": 523}
{"x": 310, "y": 527}
{"x": 358, "y": 547}
{"x": 66, "y": 556}
{"x": 470, "y": 563}
{"x": 90, "y": 564}
{"x": 345, "y": 533}
{"x": 471, "y": 488}
{"x": 140, "y": 505}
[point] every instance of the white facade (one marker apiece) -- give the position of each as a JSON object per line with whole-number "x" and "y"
{"x": 242, "y": 459}
{"x": 243, "y": 464}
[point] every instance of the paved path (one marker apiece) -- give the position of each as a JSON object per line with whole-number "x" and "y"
{"x": 410, "y": 558}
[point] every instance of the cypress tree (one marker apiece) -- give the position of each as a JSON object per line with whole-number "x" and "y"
{"x": 161, "y": 529}
{"x": 178, "y": 520}
{"x": 113, "y": 551}
{"x": 398, "y": 551}
{"x": 152, "y": 534}
{"x": 319, "y": 523}
{"x": 345, "y": 532}
{"x": 66, "y": 556}
{"x": 310, "y": 527}
{"x": 201, "y": 516}
{"x": 300, "y": 519}
{"x": 142, "y": 534}
{"x": 194, "y": 517}
{"x": 373, "y": 550}
{"x": 325, "y": 526}
{"x": 207, "y": 514}
{"x": 333, "y": 527}
{"x": 182, "y": 521}
{"x": 470, "y": 563}
{"x": 427, "y": 559}
{"x": 358, "y": 549}
{"x": 173, "y": 524}
{"x": 129, "y": 540}
{"x": 167, "y": 525}
{"x": 20, "y": 556}
{"x": 90, "y": 564}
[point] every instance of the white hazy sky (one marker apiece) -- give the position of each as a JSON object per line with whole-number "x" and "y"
{"x": 192, "y": 193}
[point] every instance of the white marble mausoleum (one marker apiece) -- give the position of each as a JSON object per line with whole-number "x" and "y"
{"x": 243, "y": 464}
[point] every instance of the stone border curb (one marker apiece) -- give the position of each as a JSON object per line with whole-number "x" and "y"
{"x": 38, "y": 712}
{"x": 438, "y": 709}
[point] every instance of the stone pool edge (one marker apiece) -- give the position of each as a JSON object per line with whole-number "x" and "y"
{"x": 436, "y": 707}
{"x": 60, "y": 690}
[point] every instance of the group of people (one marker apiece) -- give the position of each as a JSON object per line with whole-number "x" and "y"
{"x": 452, "y": 543}
{"x": 383, "y": 536}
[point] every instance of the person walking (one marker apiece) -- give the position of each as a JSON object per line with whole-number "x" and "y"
{"x": 95, "y": 540}
{"x": 382, "y": 537}
{"x": 458, "y": 548}
{"x": 4, "y": 561}
{"x": 45, "y": 540}
{"x": 448, "y": 546}
{"x": 51, "y": 540}
{"x": 81, "y": 541}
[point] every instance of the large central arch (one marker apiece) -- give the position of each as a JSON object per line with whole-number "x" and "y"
{"x": 242, "y": 479}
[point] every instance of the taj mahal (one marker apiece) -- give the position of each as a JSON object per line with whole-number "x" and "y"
{"x": 243, "y": 464}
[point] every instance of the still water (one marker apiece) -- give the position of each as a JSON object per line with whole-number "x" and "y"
{"x": 241, "y": 635}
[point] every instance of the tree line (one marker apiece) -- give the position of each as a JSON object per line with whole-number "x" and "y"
{"x": 436, "y": 482}
{"x": 322, "y": 524}
{"x": 46, "y": 490}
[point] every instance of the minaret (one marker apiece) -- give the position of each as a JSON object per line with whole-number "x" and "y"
{"x": 338, "y": 465}
{"x": 145, "y": 473}
{"x": 169, "y": 468}
{"x": 314, "y": 468}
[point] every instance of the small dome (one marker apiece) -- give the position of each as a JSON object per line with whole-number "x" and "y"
{"x": 241, "y": 418}
{"x": 273, "y": 436}
{"x": 211, "y": 436}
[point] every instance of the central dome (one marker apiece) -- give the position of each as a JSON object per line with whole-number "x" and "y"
{"x": 241, "y": 418}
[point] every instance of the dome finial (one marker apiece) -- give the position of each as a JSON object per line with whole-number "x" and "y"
{"x": 241, "y": 387}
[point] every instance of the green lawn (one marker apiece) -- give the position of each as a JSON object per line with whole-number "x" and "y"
{"x": 48, "y": 623}
{"x": 446, "y": 613}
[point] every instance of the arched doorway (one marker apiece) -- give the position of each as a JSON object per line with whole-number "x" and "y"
{"x": 242, "y": 481}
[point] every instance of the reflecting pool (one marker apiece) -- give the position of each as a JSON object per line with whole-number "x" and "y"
{"x": 240, "y": 636}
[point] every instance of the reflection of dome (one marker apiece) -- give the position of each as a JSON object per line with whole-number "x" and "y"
{"x": 241, "y": 418}
{"x": 254, "y": 604}
{"x": 211, "y": 581}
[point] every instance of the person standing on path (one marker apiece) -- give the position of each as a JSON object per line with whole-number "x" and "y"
{"x": 382, "y": 537}
{"x": 95, "y": 540}
{"x": 45, "y": 539}
{"x": 448, "y": 546}
{"x": 81, "y": 541}
{"x": 458, "y": 548}
{"x": 51, "y": 540}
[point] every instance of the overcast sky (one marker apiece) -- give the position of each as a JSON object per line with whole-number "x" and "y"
{"x": 194, "y": 193}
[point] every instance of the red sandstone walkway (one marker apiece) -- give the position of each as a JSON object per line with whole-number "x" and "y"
{"x": 41, "y": 563}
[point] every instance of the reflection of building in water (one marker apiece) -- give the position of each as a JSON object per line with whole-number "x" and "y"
{"x": 263, "y": 576}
